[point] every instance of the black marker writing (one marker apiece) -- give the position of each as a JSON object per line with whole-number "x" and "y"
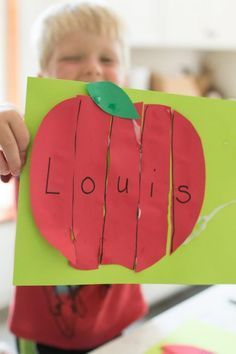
{"x": 182, "y": 189}
{"x": 92, "y": 188}
{"x": 47, "y": 181}
{"x": 125, "y": 189}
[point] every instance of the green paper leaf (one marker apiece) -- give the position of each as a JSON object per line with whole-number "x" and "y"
{"x": 112, "y": 99}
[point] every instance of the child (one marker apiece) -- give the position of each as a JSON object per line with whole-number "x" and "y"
{"x": 75, "y": 42}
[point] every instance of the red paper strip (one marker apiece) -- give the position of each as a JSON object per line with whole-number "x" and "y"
{"x": 154, "y": 188}
{"x": 188, "y": 183}
{"x": 89, "y": 183}
{"x": 122, "y": 194}
{"x": 183, "y": 349}
{"x": 67, "y": 179}
{"x": 51, "y": 171}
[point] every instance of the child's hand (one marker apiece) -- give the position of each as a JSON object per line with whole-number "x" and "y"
{"x": 14, "y": 139}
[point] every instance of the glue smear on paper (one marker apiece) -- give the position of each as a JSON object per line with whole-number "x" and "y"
{"x": 205, "y": 219}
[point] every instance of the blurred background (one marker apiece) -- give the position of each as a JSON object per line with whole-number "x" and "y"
{"x": 181, "y": 46}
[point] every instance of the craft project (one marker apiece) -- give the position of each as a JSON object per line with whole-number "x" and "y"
{"x": 130, "y": 188}
{"x": 95, "y": 212}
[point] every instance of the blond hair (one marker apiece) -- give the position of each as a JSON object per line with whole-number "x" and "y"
{"x": 60, "y": 20}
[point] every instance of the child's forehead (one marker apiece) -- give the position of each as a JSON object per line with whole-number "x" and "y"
{"x": 82, "y": 38}
{"x": 81, "y": 32}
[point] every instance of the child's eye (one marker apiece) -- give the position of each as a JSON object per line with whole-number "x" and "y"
{"x": 71, "y": 58}
{"x": 107, "y": 60}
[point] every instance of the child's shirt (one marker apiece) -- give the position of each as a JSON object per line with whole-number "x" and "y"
{"x": 78, "y": 317}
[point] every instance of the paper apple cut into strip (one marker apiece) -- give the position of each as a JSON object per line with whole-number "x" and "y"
{"x": 152, "y": 225}
{"x": 101, "y": 186}
{"x": 183, "y": 349}
{"x": 119, "y": 234}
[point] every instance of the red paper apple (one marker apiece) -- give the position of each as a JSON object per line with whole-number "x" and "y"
{"x": 101, "y": 193}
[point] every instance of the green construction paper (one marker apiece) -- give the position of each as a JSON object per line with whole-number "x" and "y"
{"x": 209, "y": 256}
{"x": 200, "y": 335}
{"x": 112, "y": 99}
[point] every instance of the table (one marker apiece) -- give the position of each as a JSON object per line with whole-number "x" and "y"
{"x": 215, "y": 306}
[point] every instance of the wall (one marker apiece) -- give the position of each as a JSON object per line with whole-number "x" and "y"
{"x": 29, "y": 11}
{"x": 223, "y": 65}
{"x": 2, "y": 50}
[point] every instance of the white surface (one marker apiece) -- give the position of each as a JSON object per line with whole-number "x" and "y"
{"x": 212, "y": 306}
{"x": 7, "y": 236}
{"x": 6, "y": 338}
{"x": 6, "y": 194}
{"x": 146, "y": 21}
{"x": 155, "y": 293}
{"x": 201, "y": 24}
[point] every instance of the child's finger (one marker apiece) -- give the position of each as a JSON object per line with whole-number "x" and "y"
{"x": 11, "y": 151}
{"x": 21, "y": 135}
{"x": 4, "y": 168}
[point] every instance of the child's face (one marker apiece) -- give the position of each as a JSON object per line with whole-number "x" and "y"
{"x": 87, "y": 57}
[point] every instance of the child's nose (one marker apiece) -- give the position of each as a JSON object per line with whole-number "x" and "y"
{"x": 92, "y": 68}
